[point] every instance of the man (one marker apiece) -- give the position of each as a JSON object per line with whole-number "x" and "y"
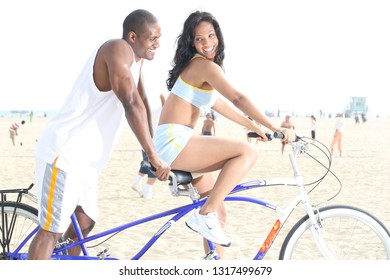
{"x": 77, "y": 143}
{"x": 287, "y": 123}
{"x": 208, "y": 126}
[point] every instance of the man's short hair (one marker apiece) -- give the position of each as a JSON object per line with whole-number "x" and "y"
{"x": 136, "y": 22}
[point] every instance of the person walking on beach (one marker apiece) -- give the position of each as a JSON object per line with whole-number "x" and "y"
{"x": 146, "y": 190}
{"x": 338, "y": 134}
{"x": 13, "y": 130}
{"x": 208, "y": 126}
{"x": 31, "y": 115}
{"x": 287, "y": 123}
{"x": 194, "y": 82}
{"x": 313, "y": 126}
{"x": 357, "y": 119}
{"x": 76, "y": 144}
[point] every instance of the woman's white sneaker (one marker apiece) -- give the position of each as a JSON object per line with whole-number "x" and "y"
{"x": 209, "y": 227}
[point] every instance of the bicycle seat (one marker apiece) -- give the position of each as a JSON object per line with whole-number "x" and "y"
{"x": 183, "y": 177}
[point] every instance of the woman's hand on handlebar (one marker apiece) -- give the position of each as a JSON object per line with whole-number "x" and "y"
{"x": 289, "y": 134}
{"x": 261, "y": 135}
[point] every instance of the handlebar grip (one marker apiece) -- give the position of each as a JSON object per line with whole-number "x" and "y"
{"x": 252, "y": 134}
{"x": 147, "y": 165}
{"x": 278, "y": 135}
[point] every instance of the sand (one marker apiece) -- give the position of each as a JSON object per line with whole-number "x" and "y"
{"x": 363, "y": 170}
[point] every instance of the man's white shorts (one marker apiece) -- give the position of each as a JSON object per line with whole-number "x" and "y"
{"x": 59, "y": 193}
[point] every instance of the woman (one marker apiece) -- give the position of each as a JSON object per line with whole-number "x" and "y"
{"x": 338, "y": 134}
{"x": 197, "y": 72}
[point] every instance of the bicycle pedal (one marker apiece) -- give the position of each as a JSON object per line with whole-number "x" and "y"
{"x": 104, "y": 254}
{"x": 210, "y": 255}
{"x": 62, "y": 243}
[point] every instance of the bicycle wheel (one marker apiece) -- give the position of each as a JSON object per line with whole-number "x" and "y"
{"x": 17, "y": 220}
{"x": 350, "y": 233}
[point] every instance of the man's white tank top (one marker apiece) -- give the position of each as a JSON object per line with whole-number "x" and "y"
{"x": 86, "y": 129}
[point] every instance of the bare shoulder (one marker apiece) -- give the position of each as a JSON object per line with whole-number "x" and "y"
{"x": 114, "y": 43}
{"x": 205, "y": 64}
{"x": 204, "y": 68}
{"x": 112, "y": 55}
{"x": 116, "y": 48}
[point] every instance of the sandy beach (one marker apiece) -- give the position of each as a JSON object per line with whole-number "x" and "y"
{"x": 363, "y": 170}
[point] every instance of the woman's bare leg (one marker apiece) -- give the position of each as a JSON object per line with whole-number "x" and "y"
{"x": 234, "y": 159}
{"x": 204, "y": 185}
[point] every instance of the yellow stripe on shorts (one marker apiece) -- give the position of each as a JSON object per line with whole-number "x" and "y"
{"x": 53, "y": 182}
{"x": 171, "y": 140}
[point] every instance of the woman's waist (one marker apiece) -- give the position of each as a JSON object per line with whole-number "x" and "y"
{"x": 176, "y": 126}
{"x": 184, "y": 118}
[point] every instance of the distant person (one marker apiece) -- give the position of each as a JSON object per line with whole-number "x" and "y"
{"x": 31, "y": 116}
{"x": 357, "y": 119}
{"x": 313, "y": 126}
{"x": 338, "y": 134}
{"x": 287, "y": 123}
{"x": 13, "y": 130}
{"x": 208, "y": 126}
{"x": 213, "y": 115}
{"x": 146, "y": 190}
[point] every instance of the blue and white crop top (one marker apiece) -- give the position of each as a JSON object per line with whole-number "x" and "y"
{"x": 196, "y": 96}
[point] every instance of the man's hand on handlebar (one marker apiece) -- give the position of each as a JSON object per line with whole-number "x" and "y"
{"x": 162, "y": 169}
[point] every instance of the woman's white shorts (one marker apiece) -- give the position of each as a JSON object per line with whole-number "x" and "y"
{"x": 170, "y": 139}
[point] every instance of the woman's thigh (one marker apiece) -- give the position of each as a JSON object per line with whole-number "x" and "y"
{"x": 204, "y": 184}
{"x": 205, "y": 154}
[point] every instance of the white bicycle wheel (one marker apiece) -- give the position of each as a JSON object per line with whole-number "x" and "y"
{"x": 350, "y": 233}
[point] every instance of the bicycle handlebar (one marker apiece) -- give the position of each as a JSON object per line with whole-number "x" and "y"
{"x": 252, "y": 134}
{"x": 278, "y": 135}
{"x": 147, "y": 165}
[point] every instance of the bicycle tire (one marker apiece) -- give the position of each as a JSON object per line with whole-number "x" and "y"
{"x": 349, "y": 232}
{"x": 26, "y": 221}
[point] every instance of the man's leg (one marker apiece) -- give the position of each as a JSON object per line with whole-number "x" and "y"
{"x": 86, "y": 225}
{"x": 43, "y": 244}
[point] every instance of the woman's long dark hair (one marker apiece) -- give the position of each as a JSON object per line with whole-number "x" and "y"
{"x": 185, "y": 46}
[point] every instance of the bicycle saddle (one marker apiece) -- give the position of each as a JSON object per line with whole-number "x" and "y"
{"x": 183, "y": 177}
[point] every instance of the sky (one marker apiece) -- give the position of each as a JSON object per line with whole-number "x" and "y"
{"x": 296, "y": 56}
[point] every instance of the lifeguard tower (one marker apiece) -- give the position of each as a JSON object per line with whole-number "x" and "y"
{"x": 357, "y": 106}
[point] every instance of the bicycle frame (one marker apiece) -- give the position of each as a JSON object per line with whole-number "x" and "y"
{"x": 178, "y": 213}
{"x": 181, "y": 211}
